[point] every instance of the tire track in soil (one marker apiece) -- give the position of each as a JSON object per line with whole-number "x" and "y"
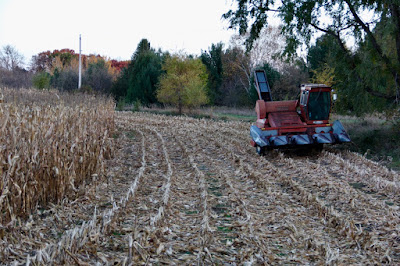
{"x": 133, "y": 218}
{"x": 146, "y": 243}
{"x": 205, "y": 229}
{"x": 174, "y": 236}
{"x": 223, "y": 218}
{"x": 89, "y": 221}
{"x": 374, "y": 219}
{"x": 318, "y": 212}
{"x": 214, "y": 188}
{"x": 181, "y": 243}
{"x": 110, "y": 241}
{"x": 135, "y": 235}
{"x": 302, "y": 229}
{"x": 325, "y": 250}
{"x": 379, "y": 254}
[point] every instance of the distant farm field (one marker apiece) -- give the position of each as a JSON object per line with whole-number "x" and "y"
{"x": 181, "y": 190}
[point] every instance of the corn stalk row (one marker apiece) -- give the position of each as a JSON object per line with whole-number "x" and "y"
{"x": 49, "y": 150}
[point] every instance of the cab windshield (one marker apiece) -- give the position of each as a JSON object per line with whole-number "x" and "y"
{"x": 319, "y": 105}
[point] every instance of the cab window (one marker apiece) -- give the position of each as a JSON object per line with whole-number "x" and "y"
{"x": 319, "y": 105}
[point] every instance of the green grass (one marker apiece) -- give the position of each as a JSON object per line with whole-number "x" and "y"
{"x": 216, "y": 113}
{"x": 236, "y": 117}
{"x": 376, "y": 137}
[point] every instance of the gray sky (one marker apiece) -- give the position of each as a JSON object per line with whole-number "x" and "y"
{"x": 112, "y": 28}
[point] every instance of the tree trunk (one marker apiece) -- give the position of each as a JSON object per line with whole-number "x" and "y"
{"x": 179, "y": 103}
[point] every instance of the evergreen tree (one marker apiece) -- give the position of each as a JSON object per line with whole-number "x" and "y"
{"x": 138, "y": 81}
{"x": 142, "y": 75}
{"x": 120, "y": 86}
{"x": 327, "y": 57}
{"x": 41, "y": 80}
{"x": 212, "y": 59}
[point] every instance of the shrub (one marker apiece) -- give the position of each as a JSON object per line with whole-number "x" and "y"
{"x": 41, "y": 80}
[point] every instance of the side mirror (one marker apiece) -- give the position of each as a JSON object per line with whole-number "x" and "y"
{"x": 334, "y": 97}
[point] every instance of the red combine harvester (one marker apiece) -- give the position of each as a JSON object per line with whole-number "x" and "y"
{"x": 294, "y": 123}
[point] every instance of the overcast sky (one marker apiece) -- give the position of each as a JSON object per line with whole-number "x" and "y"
{"x": 112, "y": 28}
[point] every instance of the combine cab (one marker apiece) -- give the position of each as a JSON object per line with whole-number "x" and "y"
{"x": 294, "y": 123}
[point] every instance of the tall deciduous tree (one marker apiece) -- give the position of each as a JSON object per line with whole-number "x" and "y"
{"x": 12, "y": 71}
{"x": 236, "y": 83}
{"x": 97, "y": 76}
{"x": 266, "y": 49}
{"x": 184, "y": 82}
{"x": 10, "y": 58}
{"x": 302, "y": 19}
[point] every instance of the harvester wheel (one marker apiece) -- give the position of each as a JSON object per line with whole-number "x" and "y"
{"x": 260, "y": 150}
{"x": 318, "y": 148}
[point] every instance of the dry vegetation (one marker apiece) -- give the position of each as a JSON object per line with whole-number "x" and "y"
{"x": 50, "y": 146}
{"x": 185, "y": 191}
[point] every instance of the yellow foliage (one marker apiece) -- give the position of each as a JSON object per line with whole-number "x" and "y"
{"x": 92, "y": 59}
{"x": 56, "y": 64}
{"x": 184, "y": 84}
{"x": 73, "y": 64}
{"x": 324, "y": 75}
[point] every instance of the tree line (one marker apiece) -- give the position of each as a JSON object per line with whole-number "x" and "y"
{"x": 365, "y": 75}
{"x": 218, "y": 76}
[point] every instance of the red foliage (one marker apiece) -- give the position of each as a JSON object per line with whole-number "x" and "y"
{"x": 43, "y": 60}
{"x": 63, "y": 51}
{"x": 119, "y": 65}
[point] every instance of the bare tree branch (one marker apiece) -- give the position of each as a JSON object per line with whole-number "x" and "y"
{"x": 10, "y": 59}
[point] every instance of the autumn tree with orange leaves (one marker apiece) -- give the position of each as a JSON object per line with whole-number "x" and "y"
{"x": 62, "y": 68}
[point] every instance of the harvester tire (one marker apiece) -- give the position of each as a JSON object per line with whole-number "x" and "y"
{"x": 318, "y": 148}
{"x": 260, "y": 150}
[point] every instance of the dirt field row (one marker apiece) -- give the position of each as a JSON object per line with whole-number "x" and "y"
{"x": 190, "y": 191}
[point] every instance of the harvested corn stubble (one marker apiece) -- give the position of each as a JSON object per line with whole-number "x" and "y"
{"x": 180, "y": 190}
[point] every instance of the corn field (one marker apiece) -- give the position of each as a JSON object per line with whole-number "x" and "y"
{"x": 187, "y": 191}
{"x": 50, "y": 146}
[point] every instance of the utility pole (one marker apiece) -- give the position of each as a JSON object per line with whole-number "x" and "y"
{"x": 80, "y": 64}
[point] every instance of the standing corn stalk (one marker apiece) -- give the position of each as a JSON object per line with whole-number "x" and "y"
{"x": 50, "y": 146}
